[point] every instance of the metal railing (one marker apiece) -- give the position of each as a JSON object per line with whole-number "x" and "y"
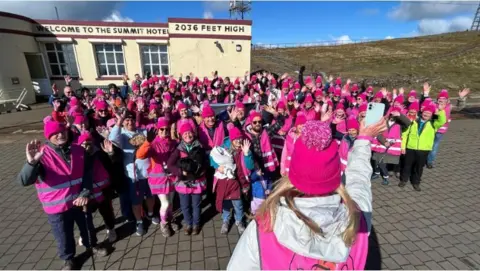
{"x": 13, "y": 99}
{"x": 260, "y": 46}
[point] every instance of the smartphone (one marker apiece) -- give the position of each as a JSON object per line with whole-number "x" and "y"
{"x": 374, "y": 113}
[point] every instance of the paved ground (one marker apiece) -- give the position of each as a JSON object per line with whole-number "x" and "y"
{"x": 438, "y": 228}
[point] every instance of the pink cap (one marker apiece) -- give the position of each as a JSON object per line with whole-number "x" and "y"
{"x": 300, "y": 119}
{"x": 53, "y": 127}
{"x": 308, "y": 98}
{"x": 207, "y": 111}
{"x": 414, "y": 106}
{"x": 162, "y": 122}
{"x": 254, "y": 114}
{"x": 235, "y": 133}
{"x": 352, "y": 123}
{"x": 239, "y": 105}
{"x": 84, "y": 136}
{"x": 185, "y": 127}
{"x": 315, "y": 163}
{"x": 181, "y": 106}
{"x": 443, "y": 94}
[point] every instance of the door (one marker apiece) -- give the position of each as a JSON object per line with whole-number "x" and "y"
{"x": 38, "y": 74}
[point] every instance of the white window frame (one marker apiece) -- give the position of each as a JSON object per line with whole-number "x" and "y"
{"x": 150, "y": 64}
{"x": 59, "y": 64}
{"x": 106, "y": 64}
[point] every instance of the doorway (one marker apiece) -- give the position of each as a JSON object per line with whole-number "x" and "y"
{"x": 38, "y": 74}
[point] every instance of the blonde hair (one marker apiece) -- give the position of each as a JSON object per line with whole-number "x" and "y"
{"x": 266, "y": 214}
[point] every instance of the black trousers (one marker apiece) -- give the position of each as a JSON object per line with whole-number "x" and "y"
{"x": 414, "y": 163}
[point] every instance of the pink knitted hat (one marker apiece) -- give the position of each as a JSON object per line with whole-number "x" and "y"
{"x": 102, "y": 105}
{"x": 315, "y": 164}
{"x": 352, "y": 123}
{"x": 207, "y": 111}
{"x": 308, "y": 80}
{"x": 300, "y": 119}
{"x": 443, "y": 94}
{"x": 281, "y": 105}
{"x": 162, "y": 122}
{"x": 290, "y": 97}
{"x": 318, "y": 80}
{"x": 153, "y": 106}
{"x": 285, "y": 84}
{"x": 412, "y": 93}
{"x": 308, "y": 98}
{"x": 185, "y": 127}
{"x": 235, "y": 133}
{"x": 414, "y": 106}
{"x": 73, "y": 101}
{"x": 79, "y": 119}
{"x": 362, "y": 108}
{"x": 84, "y": 136}
{"x": 99, "y": 92}
{"x": 181, "y": 106}
{"x": 430, "y": 108}
{"x": 239, "y": 105}
{"x": 296, "y": 85}
{"x": 379, "y": 95}
{"x": 399, "y": 99}
{"x": 254, "y": 114}
{"x": 52, "y": 127}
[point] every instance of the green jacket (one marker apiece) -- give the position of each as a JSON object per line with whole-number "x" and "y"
{"x": 411, "y": 139}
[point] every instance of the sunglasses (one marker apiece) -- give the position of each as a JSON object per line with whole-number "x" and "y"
{"x": 163, "y": 129}
{"x": 102, "y": 111}
{"x": 257, "y": 122}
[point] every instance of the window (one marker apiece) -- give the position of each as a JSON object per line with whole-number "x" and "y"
{"x": 61, "y": 59}
{"x": 109, "y": 59}
{"x": 154, "y": 59}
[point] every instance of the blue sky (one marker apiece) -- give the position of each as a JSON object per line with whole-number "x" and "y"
{"x": 279, "y": 22}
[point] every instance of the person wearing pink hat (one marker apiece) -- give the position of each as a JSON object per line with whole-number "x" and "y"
{"x": 417, "y": 142}
{"x": 362, "y": 111}
{"x": 124, "y": 135}
{"x": 387, "y": 146}
{"x": 188, "y": 163}
{"x": 444, "y": 101}
{"x": 63, "y": 181}
{"x": 292, "y": 136}
{"x": 182, "y": 117}
{"x": 230, "y": 190}
{"x": 211, "y": 132}
{"x": 278, "y": 139}
{"x": 413, "y": 110}
{"x": 311, "y": 218}
{"x": 102, "y": 113}
{"x": 346, "y": 144}
{"x": 158, "y": 147}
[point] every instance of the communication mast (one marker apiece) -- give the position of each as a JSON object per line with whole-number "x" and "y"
{"x": 239, "y": 8}
{"x": 476, "y": 20}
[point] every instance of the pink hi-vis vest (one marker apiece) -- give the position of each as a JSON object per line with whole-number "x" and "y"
{"x": 217, "y": 140}
{"x": 444, "y": 128}
{"x": 274, "y": 256}
{"x": 270, "y": 160}
{"x": 394, "y": 135}
{"x": 343, "y": 150}
{"x": 309, "y": 113}
{"x": 198, "y": 186}
{"x": 160, "y": 183}
{"x": 62, "y": 182}
{"x": 287, "y": 151}
{"x": 100, "y": 180}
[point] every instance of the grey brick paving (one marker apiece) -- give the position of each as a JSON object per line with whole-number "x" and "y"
{"x": 438, "y": 228}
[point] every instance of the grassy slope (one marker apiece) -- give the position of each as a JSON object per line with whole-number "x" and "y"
{"x": 449, "y": 61}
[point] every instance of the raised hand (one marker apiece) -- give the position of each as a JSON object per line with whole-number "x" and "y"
{"x": 69, "y": 120}
{"x": 233, "y": 115}
{"x": 67, "y": 78}
{"x": 54, "y": 88}
{"x": 384, "y": 92}
{"x": 401, "y": 91}
{"x": 151, "y": 134}
{"x": 195, "y": 109}
{"x": 463, "y": 93}
{"x": 394, "y": 92}
{"x": 296, "y": 104}
{"x": 326, "y": 116}
{"x": 107, "y": 146}
{"x": 34, "y": 151}
{"x": 246, "y": 146}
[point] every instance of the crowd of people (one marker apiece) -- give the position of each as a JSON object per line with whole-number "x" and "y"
{"x": 283, "y": 151}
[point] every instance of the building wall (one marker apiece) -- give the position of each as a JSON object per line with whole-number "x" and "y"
{"x": 194, "y": 45}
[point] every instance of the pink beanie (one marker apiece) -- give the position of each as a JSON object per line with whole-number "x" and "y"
{"x": 84, "y": 136}
{"x": 285, "y": 84}
{"x": 162, "y": 122}
{"x": 102, "y": 105}
{"x": 254, "y": 114}
{"x": 167, "y": 97}
{"x": 79, "y": 119}
{"x": 281, "y": 105}
{"x": 290, "y": 97}
{"x": 315, "y": 163}
{"x": 340, "y": 106}
{"x": 73, "y": 101}
{"x": 443, "y": 94}
{"x": 318, "y": 93}
{"x": 52, "y": 127}
{"x": 308, "y": 98}
{"x": 338, "y": 81}
{"x": 412, "y": 93}
{"x": 99, "y": 92}
{"x": 318, "y": 80}
{"x": 396, "y": 109}
{"x": 337, "y": 92}
{"x": 362, "y": 108}
{"x": 379, "y": 95}
{"x": 352, "y": 123}
{"x": 207, "y": 111}
{"x": 362, "y": 96}
{"x": 430, "y": 108}
{"x": 153, "y": 106}
{"x": 185, "y": 127}
{"x": 235, "y": 133}
{"x": 414, "y": 106}
{"x": 399, "y": 99}
{"x": 181, "y": 106}
{"x": 296, "y": 85}
{"x": 239, "y": 105}
{"x": 308, "y": 80}
{"x": 300, "y": 119}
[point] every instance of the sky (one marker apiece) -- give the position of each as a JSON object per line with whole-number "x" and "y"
{"x": 279, "y": 22}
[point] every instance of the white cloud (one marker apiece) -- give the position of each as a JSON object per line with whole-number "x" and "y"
{"x": 438, "y": 26}
{"x": 369, "y": 11}
{"x": 117, "y": 17}
{"x": 207, "y": 15}
{"x": 389, "y": 37}
{"x": 344, "y": 39}
{"x": 86, "y": 10}
{"x": 411, "y": 11}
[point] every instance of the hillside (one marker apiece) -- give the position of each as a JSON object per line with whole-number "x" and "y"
{"x": 449, "y": 61}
